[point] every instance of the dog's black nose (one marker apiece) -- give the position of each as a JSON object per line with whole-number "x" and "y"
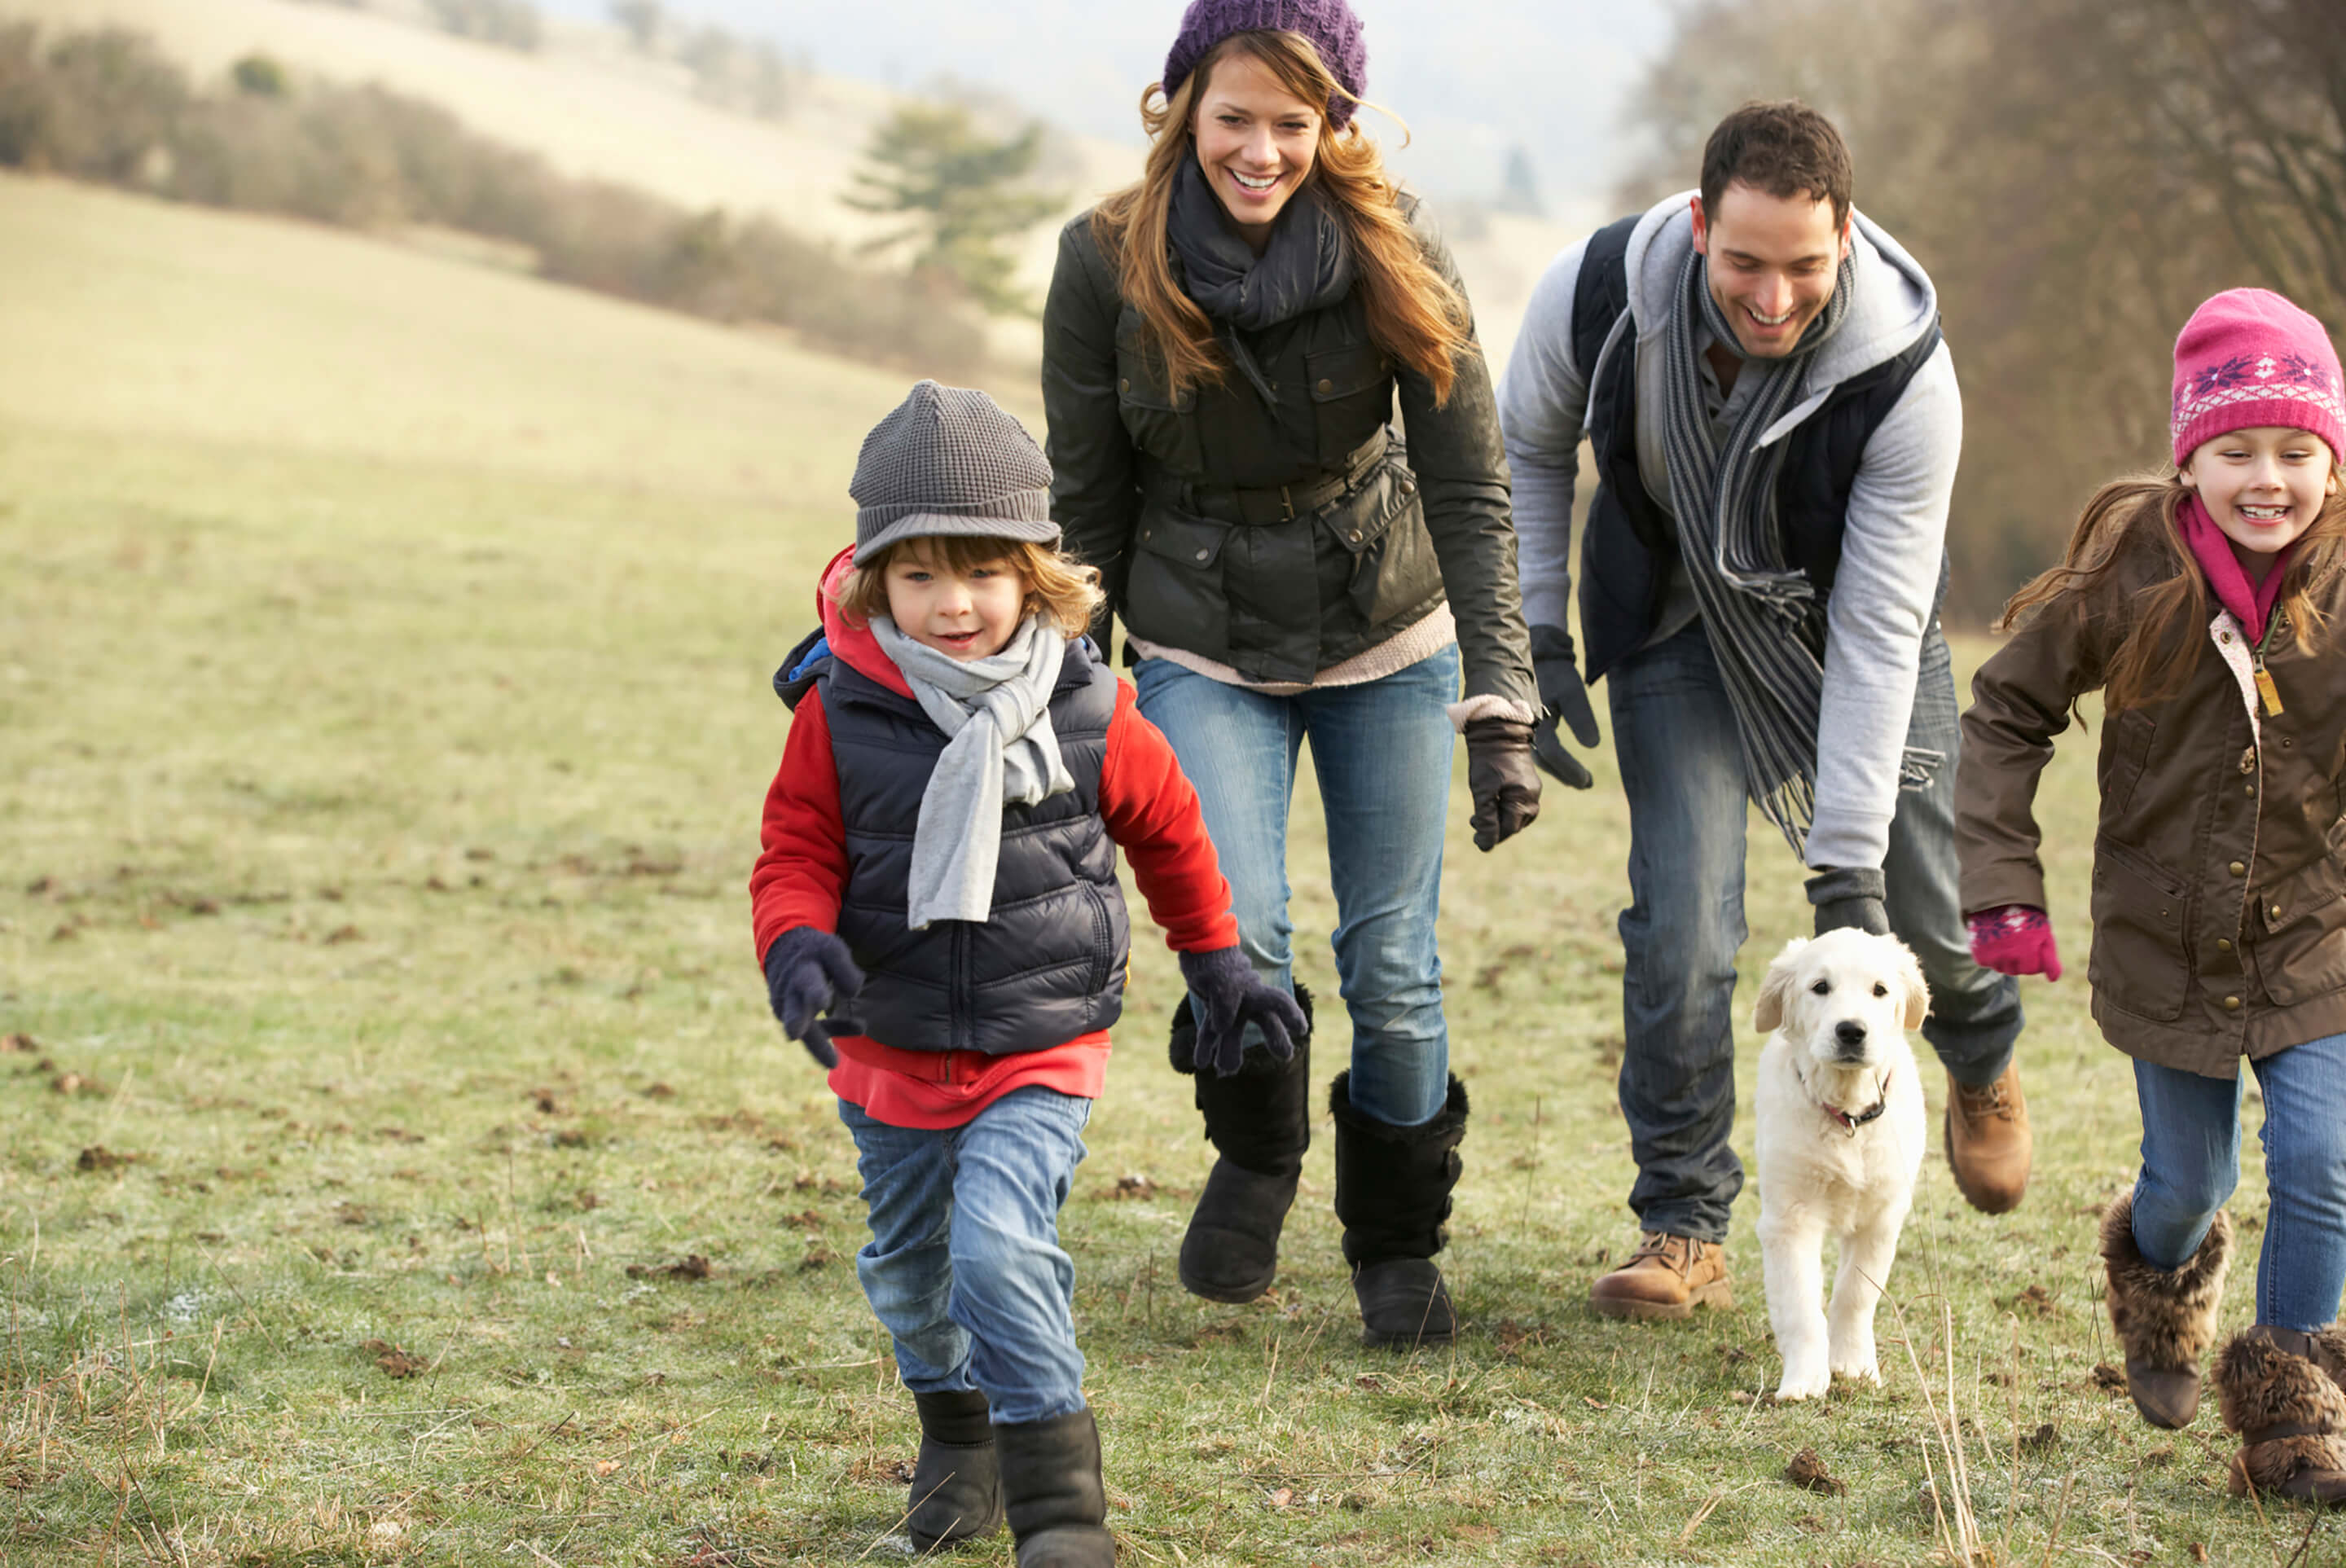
{"x": 1849, "y": 1032}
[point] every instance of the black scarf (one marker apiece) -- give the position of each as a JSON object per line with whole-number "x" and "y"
{"x": 1307, "y": 266}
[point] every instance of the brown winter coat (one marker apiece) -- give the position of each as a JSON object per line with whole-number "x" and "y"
{"x": 2220, "y": 928}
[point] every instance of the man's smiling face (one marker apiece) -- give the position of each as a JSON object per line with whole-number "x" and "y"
{"x": 1774, "y": 261}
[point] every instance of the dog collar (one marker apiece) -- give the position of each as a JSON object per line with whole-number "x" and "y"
{"x": 1850, "y": 1123}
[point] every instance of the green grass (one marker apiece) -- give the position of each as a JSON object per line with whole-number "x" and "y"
{"x": 384, "y": 720}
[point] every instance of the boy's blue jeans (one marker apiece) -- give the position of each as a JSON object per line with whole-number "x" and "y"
{"x": 2191, "y": 1163}
{"x": 1381, "y": 750}
{"x": 964, "y": 1267}
{"x": 1674, "y": 738}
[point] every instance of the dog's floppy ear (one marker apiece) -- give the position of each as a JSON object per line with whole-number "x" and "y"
{"x": 1918, "y": 991}
{"x": 1767, "y": 1013}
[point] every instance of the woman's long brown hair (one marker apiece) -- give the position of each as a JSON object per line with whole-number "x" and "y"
{"x": 2162, "y": 621}
{"x": 1414, "y": 313}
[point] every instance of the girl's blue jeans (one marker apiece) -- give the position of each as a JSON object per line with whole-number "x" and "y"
{"x": 2191, "y": 1163}
{"x": 1381, "y": 750}
{"x": 964, "y": 1267}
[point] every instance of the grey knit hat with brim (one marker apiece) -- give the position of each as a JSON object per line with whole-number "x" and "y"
{"x": 950, "y": 460}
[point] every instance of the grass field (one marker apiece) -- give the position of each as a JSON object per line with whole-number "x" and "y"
{"x": 397, "y": 1160}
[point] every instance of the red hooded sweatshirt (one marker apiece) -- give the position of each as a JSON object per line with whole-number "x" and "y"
{"x": 1150, "y": 810}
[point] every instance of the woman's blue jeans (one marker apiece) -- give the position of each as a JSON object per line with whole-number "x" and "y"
{"x": 2191, "y": 1163}
{"x": 964, "y": 1267}
{"x": 1382, "y": 751}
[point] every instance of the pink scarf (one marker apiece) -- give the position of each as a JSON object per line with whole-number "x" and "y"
{"x": 2249, "y": 602}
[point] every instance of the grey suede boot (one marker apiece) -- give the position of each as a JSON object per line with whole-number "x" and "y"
{"x": 1052, "y": 1490}
{"x": 956, "y": 1487}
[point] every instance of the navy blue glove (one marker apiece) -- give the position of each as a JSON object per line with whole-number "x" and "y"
{"x": 809, "y": 972}
{"x": 1226, "y": 997}
{"x": 1564, "y": 696}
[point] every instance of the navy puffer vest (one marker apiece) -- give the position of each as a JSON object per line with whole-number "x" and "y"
{"x": 1630, "y": 543}
{"x": 1049, "y": 964}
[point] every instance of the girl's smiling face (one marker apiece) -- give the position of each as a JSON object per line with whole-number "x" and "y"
{"x": 966, "y": 615}
{"x": 1256, "y": 142}
{"x": 2264, "y": 487}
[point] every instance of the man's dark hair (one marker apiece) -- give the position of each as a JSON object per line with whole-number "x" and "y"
{"x": 1784, "y": 150}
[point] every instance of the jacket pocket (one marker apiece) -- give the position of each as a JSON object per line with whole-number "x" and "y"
{"x": 2300, "y": 950}
{"x": 1162, "y": 423}
{"x": 1352, "y": 397}
{"x": 2126, "y": 751}
{"x": 1176, "y": 593}
{"x": 2137, "y": 961}
{"x": 1380, "y": 528}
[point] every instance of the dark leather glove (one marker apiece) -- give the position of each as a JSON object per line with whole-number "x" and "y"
{"x": 1564, "y": 696}
{"x": 1227, "y": 995}
{"x": 1847, "y": 896}
{"x": 1501, "y": 778}
{"x": 809, "y": 972}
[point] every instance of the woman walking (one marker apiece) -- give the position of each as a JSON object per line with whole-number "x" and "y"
{"x": 1222, "y": 347}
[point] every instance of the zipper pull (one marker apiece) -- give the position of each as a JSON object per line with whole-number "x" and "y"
{"x": 2267, "y": 689}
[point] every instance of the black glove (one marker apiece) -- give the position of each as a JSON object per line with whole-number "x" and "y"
{"x": 1848, "y": 896}
{"x": 1501, "y": 778}
{"x": 809, "y": 972}
{"x": 1563, "y": 696}
{"x": 1227, "y": 997}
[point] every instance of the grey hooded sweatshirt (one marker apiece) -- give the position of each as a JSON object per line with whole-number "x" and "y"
{"x": 1885, "y": 589}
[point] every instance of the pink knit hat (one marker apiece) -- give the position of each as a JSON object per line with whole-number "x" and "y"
{"x": 2250, "y": 358}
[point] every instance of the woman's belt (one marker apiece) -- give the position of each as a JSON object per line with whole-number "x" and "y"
{"x": 1272, "y": 503}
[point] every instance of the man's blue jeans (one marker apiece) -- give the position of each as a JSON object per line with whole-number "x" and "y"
{"x": 2191, "y": 1162}
{"x": 1682, "y": 768}
{"x": 964, "y": 1267}
{"x": 1381, "y": 750}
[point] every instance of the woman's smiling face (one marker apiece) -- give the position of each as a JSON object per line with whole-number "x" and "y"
{"x": 1256, "y": 142}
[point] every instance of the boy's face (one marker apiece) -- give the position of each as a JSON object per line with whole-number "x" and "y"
{"x": 965, "y": 614}
{"x": 2263, "y": 487}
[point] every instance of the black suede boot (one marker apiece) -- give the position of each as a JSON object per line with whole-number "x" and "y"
{"x": 1259, "y": 1121}
{"x": 1050, "y": 1486}
{"x": 957, "y": 1487}
{"x": 1392, "y": 1194}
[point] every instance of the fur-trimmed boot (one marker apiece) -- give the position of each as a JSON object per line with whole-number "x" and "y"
{"x": 1259, "y": 1121}
{"x": 2164, "y": 1318}
{"x": 1392, "y": 1194}
{"x": 957, "y": 1487}
{"x": 1052, "y": 1488}
{"x": 2281, "y": 1394}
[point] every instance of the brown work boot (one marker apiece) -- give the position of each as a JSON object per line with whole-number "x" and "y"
{"x": 1668, "y": 1276}
{"x": 1988, "y": 1143}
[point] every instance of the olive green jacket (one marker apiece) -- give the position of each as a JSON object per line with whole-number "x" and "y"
{"x": 1284, "y": 538}
{"x": 2219, "y": 866}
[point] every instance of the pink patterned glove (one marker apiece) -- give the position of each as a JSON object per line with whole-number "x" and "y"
{"x": 2016, "y": 939}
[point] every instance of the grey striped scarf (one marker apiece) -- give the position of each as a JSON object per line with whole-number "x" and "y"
{"x": 1765, "y": 620}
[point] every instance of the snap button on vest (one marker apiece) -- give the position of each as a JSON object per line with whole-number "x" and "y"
{"x": 2223, "y": 944}
{"x": 2239, "y": 869}
{"x": 2231, "y": 1005}
{"x": 1325, "y": 386}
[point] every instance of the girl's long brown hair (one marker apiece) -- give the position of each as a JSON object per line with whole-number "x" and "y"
{"x": 2162, "y": 622}
{"x": 1414, "y": 313}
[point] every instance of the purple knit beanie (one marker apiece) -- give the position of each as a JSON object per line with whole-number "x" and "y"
{"x": 1329, "y": 25}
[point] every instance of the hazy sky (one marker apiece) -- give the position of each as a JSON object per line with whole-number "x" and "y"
{"x": 1471, "y": 77}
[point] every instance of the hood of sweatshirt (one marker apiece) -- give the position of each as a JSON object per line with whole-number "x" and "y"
{"x": 1891, "y": 303}
{"x": 851, "y": 638}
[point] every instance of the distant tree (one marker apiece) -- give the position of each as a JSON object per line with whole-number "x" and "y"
{"x": 643, "y": 21}
{"x": 1519, "y": 186}
{"x": 259, "y": 76}
{"x": 510, "y": 24}
{"x": 964, "y": 192}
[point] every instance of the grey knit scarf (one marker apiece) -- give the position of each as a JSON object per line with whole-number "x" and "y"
{"x": 1000, "y": 750}
{"x": 1765, "y": 619}
{"x": 1307, "y": 265}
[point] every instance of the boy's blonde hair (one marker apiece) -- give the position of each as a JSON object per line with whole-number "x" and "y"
{"x": 1061, "y": 591}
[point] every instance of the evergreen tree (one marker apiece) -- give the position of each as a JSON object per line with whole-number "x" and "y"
{"x": 963, "y": 192}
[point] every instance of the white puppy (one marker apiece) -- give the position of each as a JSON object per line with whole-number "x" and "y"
{"x": 1841, "y": 1140}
